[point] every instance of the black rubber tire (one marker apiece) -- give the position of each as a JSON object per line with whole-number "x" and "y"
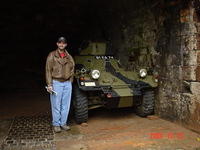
{"x": 147, "y": 106}
{"x": 80, "y": 105}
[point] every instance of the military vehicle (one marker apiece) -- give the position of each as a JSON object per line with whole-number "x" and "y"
{"x": 100, "y": 81}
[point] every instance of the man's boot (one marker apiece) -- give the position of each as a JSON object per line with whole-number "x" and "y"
{"x": 56, "y": 129}
{"x": 65, "y": 127}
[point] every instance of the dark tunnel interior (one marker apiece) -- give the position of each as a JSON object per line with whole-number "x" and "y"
{"x": 29, "y": 31}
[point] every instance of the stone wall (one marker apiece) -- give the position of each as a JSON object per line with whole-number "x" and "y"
{"x": 163, "y": 35}
{"x": 169, "y": 68}
{"x": 131, "y": 29}
{"x": 190, "y": 96}
{"x": 178, "y": 47}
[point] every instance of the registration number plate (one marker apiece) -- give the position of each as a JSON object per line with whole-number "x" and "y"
{"x": 90, "y": 84}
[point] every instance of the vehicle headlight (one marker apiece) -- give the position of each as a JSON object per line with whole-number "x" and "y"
{"x": 95, "y": 74}
{"x": 143, "y": 73}
{"x": 82, "y": 83}
{"x": 83, "y": 70}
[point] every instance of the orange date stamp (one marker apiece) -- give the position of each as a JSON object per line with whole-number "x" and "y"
{"x": 169, "y": 135}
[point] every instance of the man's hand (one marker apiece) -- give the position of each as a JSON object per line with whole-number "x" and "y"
{"x": 50, "y": 89}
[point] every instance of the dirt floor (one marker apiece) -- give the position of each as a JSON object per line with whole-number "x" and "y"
{"x": 117, "y": 129}
{"x": 122, "y": 130}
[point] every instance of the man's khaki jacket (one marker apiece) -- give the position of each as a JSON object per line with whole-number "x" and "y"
{"x": 57, "y": 68}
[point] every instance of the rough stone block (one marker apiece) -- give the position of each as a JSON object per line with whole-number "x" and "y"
{"x": 188, "y": 28}
{"x": 170, "y": 73}
{"x": 198, "y": 58}
{"x": 190, "y": 58}
{"x": 198, "y": 73}
{"x": 184, "y": 12}
{"x": 189, "y": 42}
{"x": 189, "y": 73}
{"x": 187, "y": 100}
{"x": 196, "y": 17}
{"x": 184, "y": 15}
{"x": 195, "y": 88}
{"x": 197, "y": 26}
{"x": 198, "y": 45}
{"x": 198, "y": 41}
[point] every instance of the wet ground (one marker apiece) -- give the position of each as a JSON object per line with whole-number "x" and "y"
{"x": 25, "y": 119}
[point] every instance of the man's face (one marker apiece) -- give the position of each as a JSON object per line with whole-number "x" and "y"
{"x": 61, "y": 45}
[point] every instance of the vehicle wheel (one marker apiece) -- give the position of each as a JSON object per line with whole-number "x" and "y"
{"x": 147, "y": 106}
{"x": 80, "y": 105}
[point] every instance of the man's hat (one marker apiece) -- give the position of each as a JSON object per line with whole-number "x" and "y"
{"x": 62, "y": 39}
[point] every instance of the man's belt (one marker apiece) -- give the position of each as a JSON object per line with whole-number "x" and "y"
{"x": 61, "y": 79}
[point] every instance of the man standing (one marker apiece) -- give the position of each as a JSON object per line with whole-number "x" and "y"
{"x": 59, "y": 78}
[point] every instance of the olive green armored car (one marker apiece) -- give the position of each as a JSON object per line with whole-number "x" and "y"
{"x": 100, "y": 81}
